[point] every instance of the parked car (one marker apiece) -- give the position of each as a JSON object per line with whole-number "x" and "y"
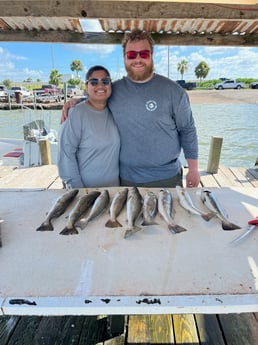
{"x": 186, "y": 85}
{"x": 229, "y": 84}
{"x": 74, "y": 90}
{"x": 19, "y": 89}
{"x": 3, "y": 93}
{"x": 254, "y": 85}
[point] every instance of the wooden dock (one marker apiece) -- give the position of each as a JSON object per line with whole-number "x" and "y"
{"x": 180, "y": 329}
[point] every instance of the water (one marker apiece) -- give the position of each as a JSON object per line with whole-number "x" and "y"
{"x": 237, "y": 124}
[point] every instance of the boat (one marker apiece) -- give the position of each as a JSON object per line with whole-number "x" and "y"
{"x": 26, "y": 152}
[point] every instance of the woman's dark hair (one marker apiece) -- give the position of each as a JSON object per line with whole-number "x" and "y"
{"x": 96, "y": 68}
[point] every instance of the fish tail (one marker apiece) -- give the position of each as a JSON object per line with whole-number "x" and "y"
{"x": 176, "y": 229}
{"x": 113, "y": 224}
{"x": 229, "y": 226}
{"x": 208, "y": 216}
{"x": 45, "y": 226}
{"x": 69, "y": 231}
{"x": 131, "y": 231}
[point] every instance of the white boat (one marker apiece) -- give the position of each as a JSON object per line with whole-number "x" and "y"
{"x": 26, "y": 152}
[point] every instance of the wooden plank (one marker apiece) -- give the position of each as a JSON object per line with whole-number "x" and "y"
{"x": 93, "y": 330}
{"x": 241, "y": 176}
{"x": 236, "y": 178}
{"x": 239, "y": 329}
{"x": 6, "y": 170}
{"x": 25, "y": 331}
{"x": 150, "y": 329}
{"x": 185, "y": 331}
{"x": 59, "y": 330}
{"x": 33, "y": 177}
{"x": 251, "y": 175}
{"x": 209, "y": 329}
{"x": 7, "y": 326}
{"x": 161, "y": 330}
{"x": 128, "y": 9}
{"x": 223, "y": 180}
{"x": 138, "y": 329}
{"x": 208, "y": 180}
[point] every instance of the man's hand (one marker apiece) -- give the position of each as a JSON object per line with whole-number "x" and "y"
{"x": 69, "y": 104}
{"x": 193, "y": 176}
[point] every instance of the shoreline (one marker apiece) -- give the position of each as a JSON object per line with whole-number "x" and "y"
{"x": 245, "y": 96}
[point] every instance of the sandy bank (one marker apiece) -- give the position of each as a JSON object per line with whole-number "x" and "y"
{"x": 224, "y": 96}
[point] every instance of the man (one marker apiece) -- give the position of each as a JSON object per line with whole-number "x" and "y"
{"x": 154, "y": 119}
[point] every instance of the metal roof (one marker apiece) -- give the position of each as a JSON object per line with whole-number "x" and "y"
{"x": 172, "y": 22}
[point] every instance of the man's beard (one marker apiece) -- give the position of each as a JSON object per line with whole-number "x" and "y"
{"x": 140, "y": 76}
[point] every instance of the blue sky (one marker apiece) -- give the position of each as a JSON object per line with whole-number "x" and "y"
{"x": 19, "y": 61}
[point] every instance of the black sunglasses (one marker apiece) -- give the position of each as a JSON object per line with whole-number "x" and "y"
{"x": 95, "y": 81}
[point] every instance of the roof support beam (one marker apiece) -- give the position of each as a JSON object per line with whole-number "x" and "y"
{"x": 116, "y": 38}
{"x": 140, "y": 9}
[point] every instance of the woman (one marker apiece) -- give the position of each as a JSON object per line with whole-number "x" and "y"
{"x": 89, "y": 143}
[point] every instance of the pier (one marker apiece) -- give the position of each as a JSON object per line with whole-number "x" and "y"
{"x": 188, "y": 329}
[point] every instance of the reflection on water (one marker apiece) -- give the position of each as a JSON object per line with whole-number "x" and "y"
{"x": 237, "y": 124}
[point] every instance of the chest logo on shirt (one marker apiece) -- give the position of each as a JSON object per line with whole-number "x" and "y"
{"x": 151, "y": 105}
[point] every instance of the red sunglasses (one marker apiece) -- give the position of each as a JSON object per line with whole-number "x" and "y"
{"x": 132, "y": 54}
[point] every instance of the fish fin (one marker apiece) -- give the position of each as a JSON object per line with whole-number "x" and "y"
{"x": 146, "y": 223}
{"x": 45, "y": 226}
{"x": 131, "y": 231}
{"x": 176, "y": 229}
{"x": 113, "y": 224}
{"x": 69, "y": 231}
{"x": 229, "y": 226}
{"x": 208, "y": 216}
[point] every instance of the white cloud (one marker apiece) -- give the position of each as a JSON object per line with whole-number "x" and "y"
{"x": 100, "y": 49}
{"x": 228, "y": 62}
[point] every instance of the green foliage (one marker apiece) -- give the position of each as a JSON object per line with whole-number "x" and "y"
{"x": 182, "y": 67}
{"x": 55, "y": 78}
{"x": 74, "y": 82}
{"x": 7, "y": 83}
{"x": 77, "y": 66}
{"x": 202, "y": 70}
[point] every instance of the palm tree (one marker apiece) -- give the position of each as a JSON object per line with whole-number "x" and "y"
{"x": 202, "y": 70}
{"x": 77, "y": 66}
{"x": 182, "y": 67}
{"x": 55, "y": 77}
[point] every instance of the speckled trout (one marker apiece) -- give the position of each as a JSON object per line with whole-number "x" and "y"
{"x": 209, "y": 199}
{"x": 81, "y": 207}
{"x": 116, "y": 207}
{"x": 58, "y": 209}
{"x": 165, "y": 203}
{"x": 134, "y": 210}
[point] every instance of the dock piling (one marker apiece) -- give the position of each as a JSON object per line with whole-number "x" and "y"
{"x": 214, "y": 155}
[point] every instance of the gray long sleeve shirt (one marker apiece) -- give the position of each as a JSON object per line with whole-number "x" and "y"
{"x": 155, "y": 121}
{"x": 88, "y": 150}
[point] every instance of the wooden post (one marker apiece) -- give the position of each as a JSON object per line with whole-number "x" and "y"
{"x": 214, "y": 156}
{"x": 45, "y": 152}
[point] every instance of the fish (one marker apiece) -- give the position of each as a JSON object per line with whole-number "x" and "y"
{"x": 209, "y": 199}
{"x": 165, "y": 205}
{"x": 99, "y": 206}
{"x": 58, "y": 209}
{"x": 116, "y": 207}
{"x": 187, "y": 203}
{"x": 134, "y": 210}
{"x": 149, "y": 208}
{"x": 82, "y": 205}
